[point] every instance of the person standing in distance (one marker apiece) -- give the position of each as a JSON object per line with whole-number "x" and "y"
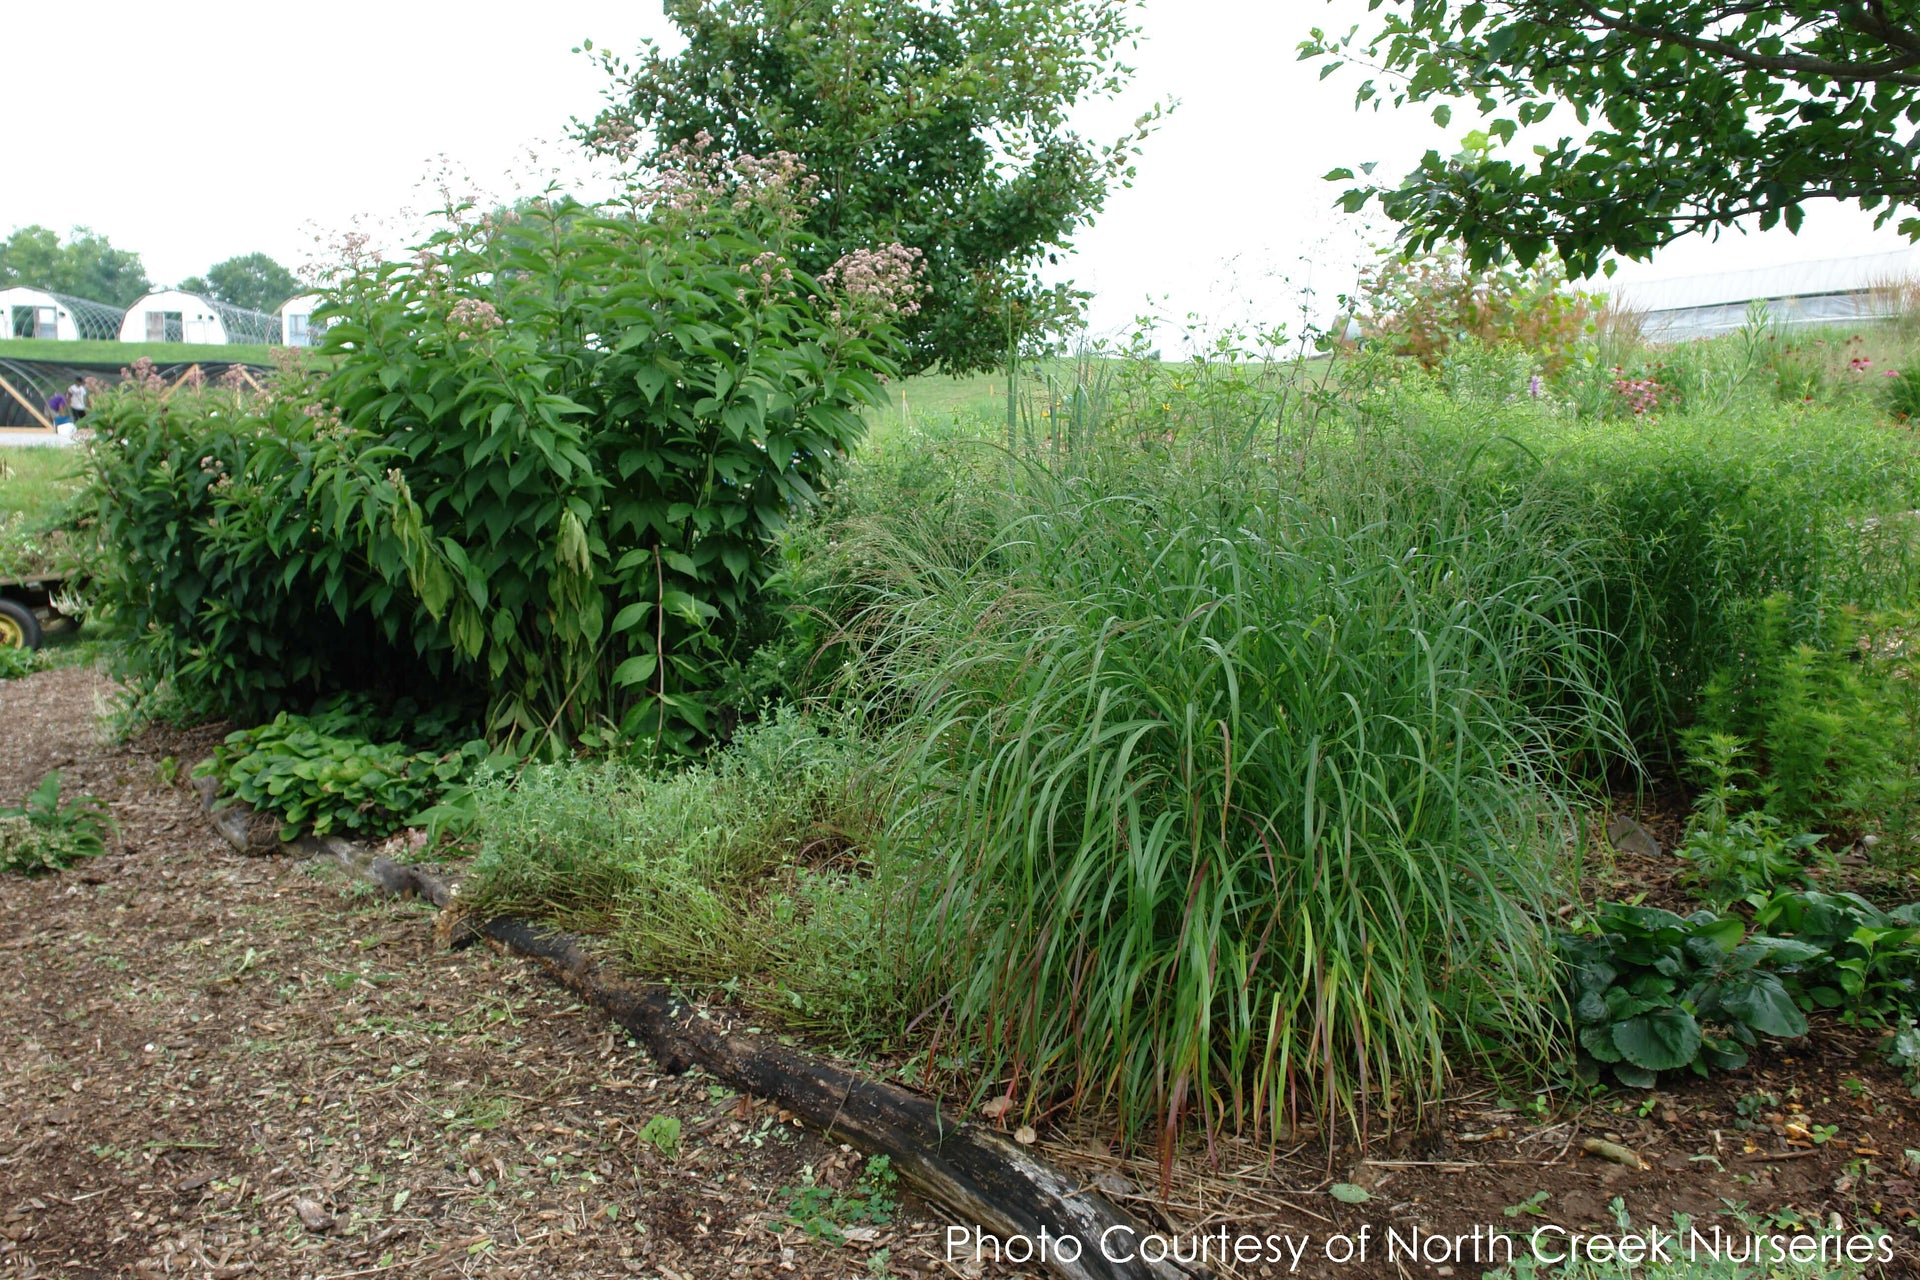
{"x": 77, "y": 398}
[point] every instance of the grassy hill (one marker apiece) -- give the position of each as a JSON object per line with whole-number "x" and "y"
{"x": 116, "y": 354}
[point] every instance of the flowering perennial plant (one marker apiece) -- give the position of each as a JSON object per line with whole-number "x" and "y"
{"x": 565, "y": 525}
{"x": 1640, "y": 395}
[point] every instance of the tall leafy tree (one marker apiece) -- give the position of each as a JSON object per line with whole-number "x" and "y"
{"x": 1692, "y": 114}
{"x": 251, "y": 280}
{"x": 86, "y": 266}
{"x": 938, "y": 124}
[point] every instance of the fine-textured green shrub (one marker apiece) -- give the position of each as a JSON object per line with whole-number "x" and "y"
{"x": 1697, "y": 520}
{"x": 541, "y": 471}
{"x": 754, "y": 872}
{"x": 1733, "y": 855}
{"x": 48, "y": 834}
{"x": 1830, "y": 735}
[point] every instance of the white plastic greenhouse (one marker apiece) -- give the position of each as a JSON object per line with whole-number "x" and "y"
{"x": 37, "y": 313}
{"x": 173, "y": 316}
{"x": 296, "y": 320}
{"x": 1865, "y": 287}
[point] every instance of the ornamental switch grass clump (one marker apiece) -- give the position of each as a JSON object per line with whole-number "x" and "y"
{"x": 1241, "y": 802}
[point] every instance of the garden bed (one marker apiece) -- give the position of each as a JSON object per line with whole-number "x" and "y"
{"x": 309, "y": 1042}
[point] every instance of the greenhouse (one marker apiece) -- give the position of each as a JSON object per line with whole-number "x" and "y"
{"x": 1863, "y": 287}
{"x": 171, "y": 315}
{"x": 58, "y": 317}
{"x": 297, "y": 328}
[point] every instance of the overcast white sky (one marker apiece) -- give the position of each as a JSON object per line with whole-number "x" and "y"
{"x": 194, "y": 131}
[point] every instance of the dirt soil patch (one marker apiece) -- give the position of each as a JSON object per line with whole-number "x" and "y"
{"x": 217, "y": 1065}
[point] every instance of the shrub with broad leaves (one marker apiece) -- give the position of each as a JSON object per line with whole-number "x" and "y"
{"x": 541, "y": 471}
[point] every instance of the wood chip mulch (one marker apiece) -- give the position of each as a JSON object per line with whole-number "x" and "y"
{"x": 214, "y": 1065}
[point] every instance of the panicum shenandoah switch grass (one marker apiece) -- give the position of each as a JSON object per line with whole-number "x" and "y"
{"x": 1243, "y": 797}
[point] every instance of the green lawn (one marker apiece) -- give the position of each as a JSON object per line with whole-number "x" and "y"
{"x": 932, "y": 399}
{"x": 34, "y": 481}
{"x": 124, "y": 353}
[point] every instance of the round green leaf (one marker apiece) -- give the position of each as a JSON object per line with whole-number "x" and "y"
{"x": 1658, "y": 1041}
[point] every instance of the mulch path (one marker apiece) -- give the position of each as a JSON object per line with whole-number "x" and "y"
{"x": 193, "y": 1043}
{"x": 196, "y": 1045}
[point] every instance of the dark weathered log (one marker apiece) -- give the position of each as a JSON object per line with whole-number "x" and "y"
{"x": 989, "y": 1183}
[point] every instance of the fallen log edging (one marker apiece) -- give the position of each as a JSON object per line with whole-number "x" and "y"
{"x": 991, "y": 1184}
{"x": 996, "y": 1187}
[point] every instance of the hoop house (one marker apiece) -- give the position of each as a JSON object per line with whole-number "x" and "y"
{"x": 173, "y": 316}
{"x": 297, "y": 328}
{"x": 1851, "y": 290}
{"x": 37, "y": 313}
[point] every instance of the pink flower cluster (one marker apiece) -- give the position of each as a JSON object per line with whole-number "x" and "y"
{"x": 877, "y": 281}
{"x": 471, "y": 317}
{"x": 142, "y": 376}
{"x": 768, "y": 268}
{"x": 693, "y": 178}
{"x": 1641, "y": 394}
{"x": 614, "y": 135}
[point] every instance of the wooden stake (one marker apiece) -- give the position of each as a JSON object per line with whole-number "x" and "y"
{"x": 26, "y": 404}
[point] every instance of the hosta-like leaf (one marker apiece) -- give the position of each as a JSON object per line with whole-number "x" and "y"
{"x": 1660, "y": 1040}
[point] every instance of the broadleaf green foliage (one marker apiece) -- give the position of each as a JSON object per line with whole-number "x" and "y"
{"x": 942, "y": 127}
{"x": 663, "y": 1132}
{"x": 1634, "y": 75}
{"x": 1653, "y": 991}
{"x": 758, "y": 872}
{"x": 251, "y": 280}
{"x": 49, "y": 834}
{"x": 540, "y": 473}
{"x": 1903, "y": 1052}
{"x": 317, "y": 781}
{"x": 86, "y": 266}
{"x": 825, "y": 1213}
{"x": 1869, "y": 968}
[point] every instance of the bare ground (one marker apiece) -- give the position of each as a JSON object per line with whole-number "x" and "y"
{"x": 198, "y": 1045}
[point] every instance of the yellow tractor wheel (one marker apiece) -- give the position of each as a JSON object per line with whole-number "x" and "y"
{"x": 19, "y": 629}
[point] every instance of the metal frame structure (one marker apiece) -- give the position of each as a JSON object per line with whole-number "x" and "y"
{"x": 95, "y": 321}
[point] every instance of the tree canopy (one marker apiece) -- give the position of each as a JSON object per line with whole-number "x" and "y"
{"x": 251, "y": 280}
{"x": 938, "y": 124}
{"x": 1693, "y": 113}
{"x": 86, "y": 266}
